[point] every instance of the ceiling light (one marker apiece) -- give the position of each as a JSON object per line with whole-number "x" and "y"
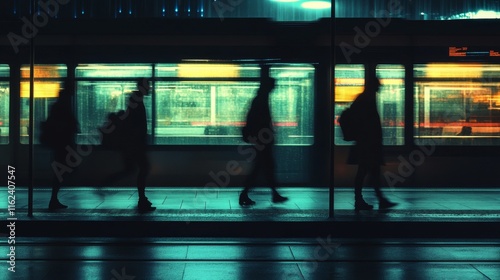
{"x": 317, "y": 5}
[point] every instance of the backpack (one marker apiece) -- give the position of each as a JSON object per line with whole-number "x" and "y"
{"x": 349, "y": 124}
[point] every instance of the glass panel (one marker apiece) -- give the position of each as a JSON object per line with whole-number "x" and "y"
{"x": 292, "y": 104}
{"x": 4, "y": 71}
{"x": 212, "y": 112}
{"x": 96, "y": 99}
{"x": 391, "y": 102}
{"x": 113, "y": 71}
{"x": 105, "y": 88}
{"x": 349, "y": 83}
{"x": 4, "y": 104}
{"x": 457, "y": 104}
{"x": 201, "y": 112}
{"x": 48, "y": 83}
{"x": 207, "y": 70}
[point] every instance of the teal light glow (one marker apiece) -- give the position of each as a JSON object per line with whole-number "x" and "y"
{"x": 285, "y": 1}
{"x": 316, "y": 5}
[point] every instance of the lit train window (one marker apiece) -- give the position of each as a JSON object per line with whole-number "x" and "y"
{"x": 349, "y": 83}
{"x": 457, "y": 104}
{"x": 292, "y": 104}
{"x": 349, "y": 80}
{"x": 197, "y": 104}
{"x": 207, "y": 104}
{"x": 4, "y": 103}
{"x": 102, "y": 89}
{"x": 48, "y": 82}
{"x": 391, "y": 102}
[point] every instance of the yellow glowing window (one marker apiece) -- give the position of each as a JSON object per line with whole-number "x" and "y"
{"x": 208, "y": 71}
{"x": 47, "y": 80}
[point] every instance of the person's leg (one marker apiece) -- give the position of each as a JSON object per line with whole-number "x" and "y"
{"x": 142, "y": 160}
{"x": 60, "y": 157}
{"x": 250, "y": 180}
{"x": 359, "y": 180}
{"x": 269, "y": 169}
{"x": 359, "y": 202}
{"x": 375, "y": 181}
{"x": 144, "y": 167}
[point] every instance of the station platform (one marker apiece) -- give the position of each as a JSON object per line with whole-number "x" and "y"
{"x": 199, "y": 212}
{"x": 196, "y": 234}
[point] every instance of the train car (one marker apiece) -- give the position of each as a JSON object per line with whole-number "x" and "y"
{"x": 203, "y": 75}
{"x": 438, "y": 101}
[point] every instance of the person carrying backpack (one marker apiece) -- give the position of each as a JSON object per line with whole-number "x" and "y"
{"x": 129, "y": 136}
{"x": 367, "y": 152}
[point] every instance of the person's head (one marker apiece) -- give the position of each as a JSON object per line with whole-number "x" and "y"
{"x": 143, "y": 86}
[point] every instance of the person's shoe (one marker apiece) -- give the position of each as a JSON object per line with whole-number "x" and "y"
{"x": 245, "y": 200}
{"x": 385, "y": 204}
{"x": 277, "y": 198}
{"x": 54, "y": 204}
{"x": 362, "y": 205}
{"x": 144, "y": 205}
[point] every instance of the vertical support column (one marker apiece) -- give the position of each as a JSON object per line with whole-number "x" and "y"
{"x": 153, "y": 104}
{"x": 409, "y": 106}
{"x": 331, "y": 114}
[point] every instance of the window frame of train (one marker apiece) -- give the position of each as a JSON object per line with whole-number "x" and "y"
{"x": 196, "y": 103}
{"x": 4, "y": 103}
{"x": 49, "y": 79}
{"x": 105, "y": 88}
{"x": 349, "y": 82}
{"x": 469, "y": 94}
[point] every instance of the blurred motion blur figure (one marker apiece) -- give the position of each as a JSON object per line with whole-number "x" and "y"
{"x": 133, "y": 143}
{"x": 368, "y": 153}
{"x": 59, "y": 133}
{"x": 259, "y": 131}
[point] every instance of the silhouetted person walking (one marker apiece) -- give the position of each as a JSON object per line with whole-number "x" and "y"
{"x": 60, "y": 129}
{"x": 368, "y": 153}
{"x": 260, "y": 133}
{"x": 131, "y": 129}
